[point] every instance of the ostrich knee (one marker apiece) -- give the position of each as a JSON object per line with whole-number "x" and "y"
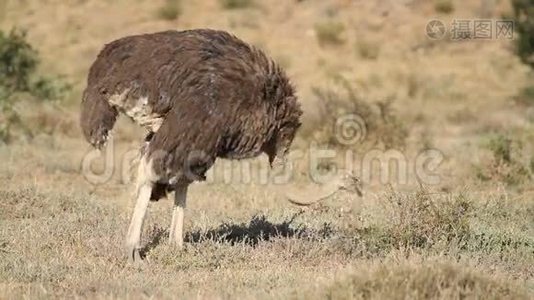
{"x": 176, "y": 235}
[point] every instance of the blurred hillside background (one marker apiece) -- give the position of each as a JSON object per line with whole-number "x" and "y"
{"x": 472, "y": 100}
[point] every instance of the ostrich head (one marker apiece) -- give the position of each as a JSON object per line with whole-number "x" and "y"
{"x": 97, "y": 119}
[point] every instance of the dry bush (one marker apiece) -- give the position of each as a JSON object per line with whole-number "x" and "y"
{"x": 381, "y": 128}
{"x": 507, "y": 163}
{"x": 424, "y": 221}
{"x": 330, "y": 33}
{"x": 444, "y": 223}
{"x": 503, "y": 228}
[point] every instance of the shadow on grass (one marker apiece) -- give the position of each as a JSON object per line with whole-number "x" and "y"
{"x": 251, "y": 233}
{"x": 258, "y": 229}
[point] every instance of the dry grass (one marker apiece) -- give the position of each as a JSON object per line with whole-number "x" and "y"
{"x": 61, "y": 237}
{"x": 422, "y": 278}
{"x": 81, "y": 253}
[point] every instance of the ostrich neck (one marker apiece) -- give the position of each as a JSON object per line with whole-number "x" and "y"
{"x": 138, "y": 109}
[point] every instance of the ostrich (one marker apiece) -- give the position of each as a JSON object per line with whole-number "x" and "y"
{"x": 201, "y": 95}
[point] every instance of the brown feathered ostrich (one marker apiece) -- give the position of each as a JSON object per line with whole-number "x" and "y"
{"x": 201, "y": 95}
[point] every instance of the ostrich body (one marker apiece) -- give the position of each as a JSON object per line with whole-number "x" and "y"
{"x": 201, "y": 95}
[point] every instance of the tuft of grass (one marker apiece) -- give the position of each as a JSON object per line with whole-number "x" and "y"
{"x": 236, "y": 4}
{"x": 330, "y": 33}
{"x": 444, "y": 6}
{"x": 368, "y": 49}
{"x": 171, "y": 10}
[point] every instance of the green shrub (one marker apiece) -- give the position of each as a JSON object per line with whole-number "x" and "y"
{"x": 524, "y": 24}
{"x": 330, "y": 33}
{"x": 171, "y": 10}
{"x": 18, "y": 65}
{"x": 18, "y": 61}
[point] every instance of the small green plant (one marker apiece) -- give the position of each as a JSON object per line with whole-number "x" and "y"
{"x": 524, "y": 24}
{"x": 444, "y": 6}
{"x": 171, "y": 10}
{"x": 330, "y": 33}
{"x": 236, "y": 4}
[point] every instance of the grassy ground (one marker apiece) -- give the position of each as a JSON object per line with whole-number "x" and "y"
{"x": 470, "y": 235}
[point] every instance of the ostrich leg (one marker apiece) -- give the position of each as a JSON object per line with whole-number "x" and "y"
{"x": 144, "y": 190}
{"x": 176, "y": 235}
{"x": 136, "y": 225}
